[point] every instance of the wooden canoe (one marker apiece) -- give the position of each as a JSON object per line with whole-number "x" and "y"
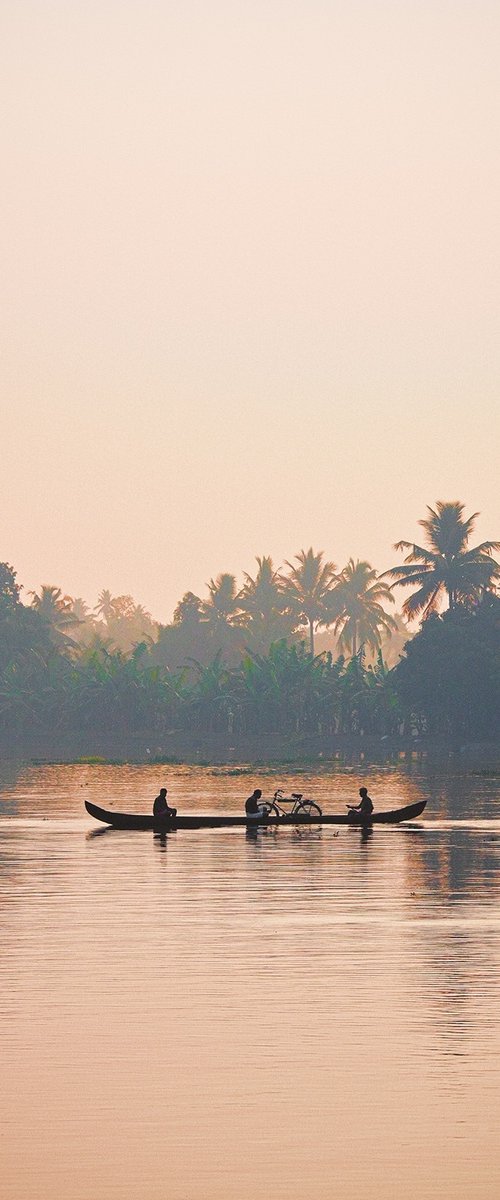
{"x": 224, "y": 821}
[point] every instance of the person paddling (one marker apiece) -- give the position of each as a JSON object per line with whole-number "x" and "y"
{"x": 161, "y": 807}
{"x": 365, "y": 806}
{"x": 252, "y": 806}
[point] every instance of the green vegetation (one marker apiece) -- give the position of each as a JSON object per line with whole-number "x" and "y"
{"x": 241, "y": 663}
{"x": 449, "y": 677}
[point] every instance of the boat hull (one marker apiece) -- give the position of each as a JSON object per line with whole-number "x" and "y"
{"x": 224, "y": 821}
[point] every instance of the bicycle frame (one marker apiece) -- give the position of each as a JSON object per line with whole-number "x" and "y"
{"x": 297, "y": 806}
{"x": 295, "y": 800}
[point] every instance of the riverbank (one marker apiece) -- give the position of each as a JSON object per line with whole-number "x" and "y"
{"x": 270, "y": 749}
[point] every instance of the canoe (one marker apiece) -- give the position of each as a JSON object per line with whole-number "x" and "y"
{"x": 224, "y": 821}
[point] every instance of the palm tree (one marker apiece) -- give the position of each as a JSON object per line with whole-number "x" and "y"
{"x": 105, "y": 606}
{"x": 221, "y": 609}
{"x": 446, "y": 567}
{"x": 79, "y": 608}
{"x": 308, "y": 587}
{"x": 222, "y": 618}
{"x": 56, "y": 611}
{"x": 357, "y": 599}
{"x": 139, "y": 625}
{"x": 267, "y": 611}
{"x": 140, "y": 615}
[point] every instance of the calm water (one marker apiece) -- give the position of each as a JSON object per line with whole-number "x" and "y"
{"x": 217, "y": 1016}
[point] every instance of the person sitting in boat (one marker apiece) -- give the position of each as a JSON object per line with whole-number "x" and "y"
{"x": 161, "y": 808}
{"x": 365, "y": 806}
{"x": 252, "y": 806}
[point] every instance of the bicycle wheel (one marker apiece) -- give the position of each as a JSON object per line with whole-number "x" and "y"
{"x": 272, "y": 809}
{"x": 309, "y": 809}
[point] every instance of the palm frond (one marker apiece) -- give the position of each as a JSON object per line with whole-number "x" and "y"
{"x": 425, "y": 601}
{"x": 416, "y": 553}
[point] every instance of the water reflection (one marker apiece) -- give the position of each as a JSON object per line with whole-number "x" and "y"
{"x": 450, "y": 863}
{"x": 160, "y": 841}
{"x": 247, "y": 998}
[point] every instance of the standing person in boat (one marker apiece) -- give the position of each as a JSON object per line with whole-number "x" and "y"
{"x": 252, "y": 806}
{"x": 161, "y": 807}
{"x": 365, "y": 806}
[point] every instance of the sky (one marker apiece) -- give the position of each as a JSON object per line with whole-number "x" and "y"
{"x": 251, "y": 285}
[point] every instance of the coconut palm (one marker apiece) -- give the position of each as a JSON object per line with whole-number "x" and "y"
{"x": 357, "y": 599}
{"x": 446, "y": 567}
{"x": 222, "y": 618}
{"x": 267, "y": 611}
{"x": 79, "y": 608}
{"x": 222, "y": 608}
{"x": 308, "y": 589}
{"x": 140, "y": 617}
{"x": 57, "y": 613}
{"x": 139, "y": 626}
{"x": 86, "y": 629}
{"x": 105, "y": 606}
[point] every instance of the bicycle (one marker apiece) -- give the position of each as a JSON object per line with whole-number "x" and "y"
{"x": 300, "y": 807}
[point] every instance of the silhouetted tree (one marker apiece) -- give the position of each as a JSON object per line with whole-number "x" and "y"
{"x": 449, "y": 677}
{"x": 105, "y": 607}
{"x": 9, "y": 589}
{"x": 79, "y": 608}
{"x": 22, "y": 630}
{"x": 267, "y": 612}
{"x": 446, "y": 566}
{"x": 222, "y": 616}
{"x": 308, "y": 590}
{"x": 357, "y": 600}
{"x": 222, "y": 608}
{"x": 56, "y": 612}
{"x": 189, "y": 610}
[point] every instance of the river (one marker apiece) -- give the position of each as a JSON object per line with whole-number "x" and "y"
{"x": 294, "y": 1015}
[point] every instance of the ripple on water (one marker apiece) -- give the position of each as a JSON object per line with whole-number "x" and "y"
{"x": 215, "y": 1016}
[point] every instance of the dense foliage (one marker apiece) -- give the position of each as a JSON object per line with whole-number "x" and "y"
{"x": 447, "y": 683}
{"x": 244, "y": 662}
{"x": 448, "y": 680}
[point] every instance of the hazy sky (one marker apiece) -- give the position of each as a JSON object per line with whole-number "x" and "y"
{"x": 251, "y": 283}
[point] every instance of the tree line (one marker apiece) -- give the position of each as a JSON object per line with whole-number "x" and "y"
{"x": 245, "y": 661}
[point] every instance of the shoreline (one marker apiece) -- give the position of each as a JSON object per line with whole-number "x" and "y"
{"x": 179, "y": 749}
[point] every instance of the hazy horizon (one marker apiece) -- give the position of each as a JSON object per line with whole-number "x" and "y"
{"x": 251, "y": 284}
